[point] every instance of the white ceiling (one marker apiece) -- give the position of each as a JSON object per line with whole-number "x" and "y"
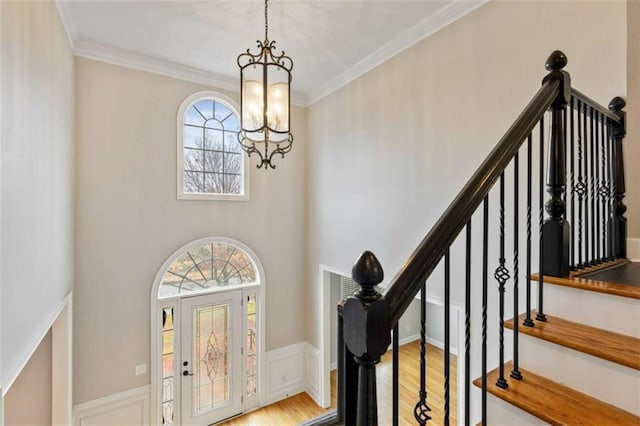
{"x": 330, "y": 41}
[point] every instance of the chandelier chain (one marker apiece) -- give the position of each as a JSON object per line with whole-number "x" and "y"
{"x": 266, "y": 20}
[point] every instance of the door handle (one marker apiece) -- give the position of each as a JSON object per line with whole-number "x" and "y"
{"x": 186, "y": 373}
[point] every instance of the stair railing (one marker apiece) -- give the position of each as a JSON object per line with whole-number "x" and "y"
{"x": 584, "y": 163}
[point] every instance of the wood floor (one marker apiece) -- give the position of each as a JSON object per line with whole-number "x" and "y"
{"x": 301, "y": 407}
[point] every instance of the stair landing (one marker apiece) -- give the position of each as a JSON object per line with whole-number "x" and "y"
{"x": 554, "y": 403}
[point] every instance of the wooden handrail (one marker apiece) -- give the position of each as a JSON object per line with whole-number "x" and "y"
{"x": 419, "y": 266}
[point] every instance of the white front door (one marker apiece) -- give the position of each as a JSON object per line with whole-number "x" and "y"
{"x": 211, "y": 358}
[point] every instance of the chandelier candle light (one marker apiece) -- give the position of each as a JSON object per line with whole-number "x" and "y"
{"x": 265, "y": 100}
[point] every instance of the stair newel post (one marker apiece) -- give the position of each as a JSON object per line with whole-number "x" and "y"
{"x": 617, "y": 221}
{"x": 347, "y": 376}
{"x": 367, "y": 333}
{"x": 556, "y": 229}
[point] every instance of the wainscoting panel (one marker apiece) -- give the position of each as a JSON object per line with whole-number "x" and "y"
{"x": 285, "y": 375}
{"x": 312, "y": 372}
{"x": 125, "y": 408}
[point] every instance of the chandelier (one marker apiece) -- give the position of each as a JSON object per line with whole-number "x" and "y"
{"x": 265, "y": 100}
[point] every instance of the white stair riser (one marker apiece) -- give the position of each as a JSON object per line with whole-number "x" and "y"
{"x": 501, "y": 413}
{"x": 605, "y": 311}
{"x": 604, "y": 380}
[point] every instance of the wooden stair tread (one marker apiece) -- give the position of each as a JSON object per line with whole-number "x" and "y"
{"x": 614, "y": 347}
{"x": 555, "y": 403}
{"x": 579, "y": 280}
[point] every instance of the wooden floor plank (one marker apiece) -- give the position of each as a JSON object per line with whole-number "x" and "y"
{"x": 300, "y": 408}
{"x": 578, "y": 280}
{"x": 556, "y": 404}
{"x": 614, "y": 347}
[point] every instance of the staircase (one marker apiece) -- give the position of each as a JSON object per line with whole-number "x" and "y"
{"x": 563, "y": 350}
{"x": 576, "y": 372}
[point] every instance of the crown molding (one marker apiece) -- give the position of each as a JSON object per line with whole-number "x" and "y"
{"x": 122, "y": 57}
{"x": 423, "y": 29}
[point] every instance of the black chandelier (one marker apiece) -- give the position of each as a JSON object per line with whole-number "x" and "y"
{"x": 265, "y": 100}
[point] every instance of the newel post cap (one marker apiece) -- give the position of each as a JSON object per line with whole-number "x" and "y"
{"x": 556, "y": 61}
{"x": 367, "y": 272}
{"x": 617, "y": 104}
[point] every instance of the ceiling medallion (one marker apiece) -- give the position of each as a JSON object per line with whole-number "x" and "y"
{"x": 265, "y": 100}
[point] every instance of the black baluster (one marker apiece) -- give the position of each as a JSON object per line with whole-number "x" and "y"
{"x": 467, "y": 331}
{"x": 421, "y": 410}
{"x": 485, "y": 286}
{"x": 396, "y": 375}
{"x": 596, "y": 173}
{"x": 580, "y": 187}
{"x": 447, "y": 332}
{"x": 587, "y": 233}
{"x": 572, "y": 174}
{"x": 540, "y": 315}
{"x": 604, "y": 189}
{"x": 618, "y": 223}
{"x": 611, "y": 190}
{"x": 592, "y": 188}
{"x": 502, "y": 276}
{"x": 367, "y": 333}
{"x": 556, "y": 231}
{"x": 515, "y": 373}
{"x": 527, "y": 321}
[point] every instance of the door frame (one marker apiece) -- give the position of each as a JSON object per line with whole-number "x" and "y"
{"x": 157, "y": 305}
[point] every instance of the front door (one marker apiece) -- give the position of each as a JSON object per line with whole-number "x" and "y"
{"x": 211, "y": 359}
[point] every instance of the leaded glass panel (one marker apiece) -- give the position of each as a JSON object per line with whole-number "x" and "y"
{"x": 207, "y": 267}
{"x": 252, "y": 370}
{"x": 168, "y": 349}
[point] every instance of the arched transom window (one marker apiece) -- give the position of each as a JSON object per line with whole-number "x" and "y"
{"x": 211, "y": 164}
{"x": 208, "y": 267}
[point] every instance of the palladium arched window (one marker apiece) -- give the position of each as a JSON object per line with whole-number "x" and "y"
{"x": 211, "y": 164}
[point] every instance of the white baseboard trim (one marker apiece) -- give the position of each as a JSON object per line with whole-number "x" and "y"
{"x": 633, "y": 249}
{"x": 285, "y": 372}
{"x": 409, "y": 339}
{"x": 439, "y": 344}
{"x": 130, "y": 407}
{"x": 333, "y": 366}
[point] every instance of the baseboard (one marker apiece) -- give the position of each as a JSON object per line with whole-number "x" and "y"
{"x": 408, "y": 339}
{"x": 130, "y": 407}
{"x": 333, "y": 366}
{"x": 633, "y": 249}
{"x": 439, "y": 344}
{"x": 285, "y": 372}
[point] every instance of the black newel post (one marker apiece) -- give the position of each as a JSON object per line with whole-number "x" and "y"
{"x": 347, "y": 377}
{"x": 556, "y": 231}
{"x": 367, "y": 333}
{"x": 617, "y": 221}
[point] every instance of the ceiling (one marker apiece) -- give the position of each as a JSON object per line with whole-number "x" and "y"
{"x": 330, "y": 41}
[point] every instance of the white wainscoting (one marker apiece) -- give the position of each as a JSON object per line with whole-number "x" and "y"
{"x": 285, "y": 372}
{"x": 312, "y": 372}
{"x": 289, "y": 370}
{"x": 126, "y": 408}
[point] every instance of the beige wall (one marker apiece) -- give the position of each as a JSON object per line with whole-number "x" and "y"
{"x": 632, "y": 142}
{"x": 387, "y": 152}
{"x": 37, "y": 176}
{"x": 129, "y": 221}
{"x": 28, "y": 402}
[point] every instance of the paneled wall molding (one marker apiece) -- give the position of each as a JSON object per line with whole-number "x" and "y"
{"x": 633, "y": 249}
{"x": 312, "y": 369}
{"x": 285, "y": 372}
{"x": 11, "y": 378}
{"x": 128, "y": 407}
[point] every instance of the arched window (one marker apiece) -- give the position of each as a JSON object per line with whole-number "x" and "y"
{"x": 207, "y": 267}
{"x": 211, "y": 164}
